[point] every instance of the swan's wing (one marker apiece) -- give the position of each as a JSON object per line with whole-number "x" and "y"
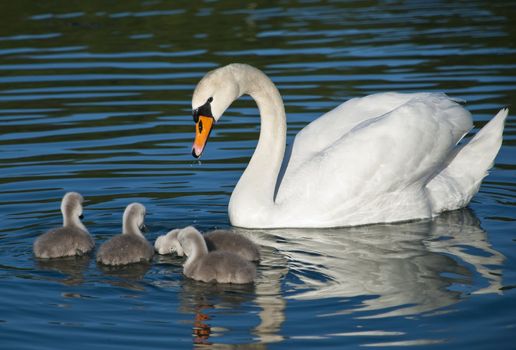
{"x": 327, "y": 129}
{"x": 459, "y": 181}
{"x": 380, "y": 158}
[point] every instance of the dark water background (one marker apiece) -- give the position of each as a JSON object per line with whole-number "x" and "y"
{"x": 95, "y": 98}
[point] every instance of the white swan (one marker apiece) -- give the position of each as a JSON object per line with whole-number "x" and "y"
{"x": 71, "y": 239}
{"x": 215, "y": 240}
{"x": 216, "y": 266}
{"x": 131, "y": 246}
{"x": 381, "y": 158}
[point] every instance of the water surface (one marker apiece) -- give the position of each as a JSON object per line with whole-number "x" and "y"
{"x": 95, "y": 98}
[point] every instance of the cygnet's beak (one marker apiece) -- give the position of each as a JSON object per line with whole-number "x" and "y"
{"x": 203, "y": 128}
{"x": 144, "y": 228}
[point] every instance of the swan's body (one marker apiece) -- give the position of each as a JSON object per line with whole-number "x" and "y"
{"x": 218, "y": 240}
{"x": 130, "y": 246}
{"x": 71, "y": 239}
{"x": 382, "y": 158}
{"x": 216, "y": 266}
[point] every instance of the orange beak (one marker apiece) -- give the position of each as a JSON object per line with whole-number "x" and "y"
{"x": 202, "y": 133}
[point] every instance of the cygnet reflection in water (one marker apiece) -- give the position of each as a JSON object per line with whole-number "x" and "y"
{"x": 204, "y": 300}
{"x": 215, "y": 266}
{"x": 130, "y": 246}
{"x": 222, "y": 240}
{"x": 126, "y": 276}
{"x": 404, "y": 269}
{"x": 227, "y": 296}
{"x": 72, "y": 268}
{"x": 70, "y": 239}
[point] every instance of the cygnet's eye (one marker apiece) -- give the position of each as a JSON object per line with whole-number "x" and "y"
{"x": 81, "y": 216}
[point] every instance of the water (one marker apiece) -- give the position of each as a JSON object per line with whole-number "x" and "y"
{"x": 95, "y": 98}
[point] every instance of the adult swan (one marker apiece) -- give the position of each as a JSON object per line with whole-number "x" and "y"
{"x": 381, "y": 158}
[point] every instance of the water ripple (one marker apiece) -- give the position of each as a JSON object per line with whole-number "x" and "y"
{"x": 96, "y": 98}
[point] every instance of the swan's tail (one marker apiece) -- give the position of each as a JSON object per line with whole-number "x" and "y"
{"x": 456, "y": 184}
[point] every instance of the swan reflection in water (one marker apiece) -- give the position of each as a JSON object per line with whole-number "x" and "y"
{"x": 407, "y": 268}
{"x": 401, "y": 269}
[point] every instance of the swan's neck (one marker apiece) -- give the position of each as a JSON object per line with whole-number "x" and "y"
{"x": 254, "y": 192}
{"x": 130, "y": 227}
{"x": 196, "y": 249}
{"x": 72, "y": 220}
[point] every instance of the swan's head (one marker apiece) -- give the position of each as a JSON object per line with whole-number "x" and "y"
{"x": 192, "y": 241}
{"x": 212, "y": 96}
{"x": 134, "y": 217}
{"x": 71, "y": 207}
{"x": 169, "y": 243}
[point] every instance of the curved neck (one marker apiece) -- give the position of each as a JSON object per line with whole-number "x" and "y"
{"x": 130, "y": 226}
{"x": 255, "y": 189}
{"x": 72, "y": 220}
{"x": 195, "y": 248}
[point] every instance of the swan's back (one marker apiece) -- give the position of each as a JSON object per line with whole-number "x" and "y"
{"x": 326, "y": 130}
{"x": 232, "y": 242}
{"x": 125, "y": 249}
{"x": 221, "y": 267}
{"x": 378, "y": 170}
{"x": 63, "y": 241}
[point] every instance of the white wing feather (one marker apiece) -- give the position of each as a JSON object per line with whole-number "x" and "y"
{"x": 379, "y": 165}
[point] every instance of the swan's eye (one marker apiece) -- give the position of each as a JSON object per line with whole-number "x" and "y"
{"x": 204, "y": 110}
{"x": 200, "y": 126}
{"x": 81, "y": 216}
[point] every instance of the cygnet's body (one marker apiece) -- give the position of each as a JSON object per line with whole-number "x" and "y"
{"x": 218, "y": 240}
{"x": 232, "y": 242}
{"x": 130, "y": 246}
{"x": 70, "y": 239}
{"x": 216, "y": 266}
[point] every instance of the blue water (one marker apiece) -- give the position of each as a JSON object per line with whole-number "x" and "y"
{"x": 95, "y": 98}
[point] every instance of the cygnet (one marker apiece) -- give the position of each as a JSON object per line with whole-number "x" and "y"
{"x": 71, "y": 239}
{"x": 130, "y": 246}
{"x": 215, "y": 240}
{"x": 168, "y": 243}
{"x": 216, "y": 266}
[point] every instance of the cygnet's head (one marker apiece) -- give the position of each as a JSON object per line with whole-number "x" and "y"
{"x": 71, "y": 207}
{"x": 192, "y": 241}
{"x": 134, "y": 217}
{"x": 169, "y": 243}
